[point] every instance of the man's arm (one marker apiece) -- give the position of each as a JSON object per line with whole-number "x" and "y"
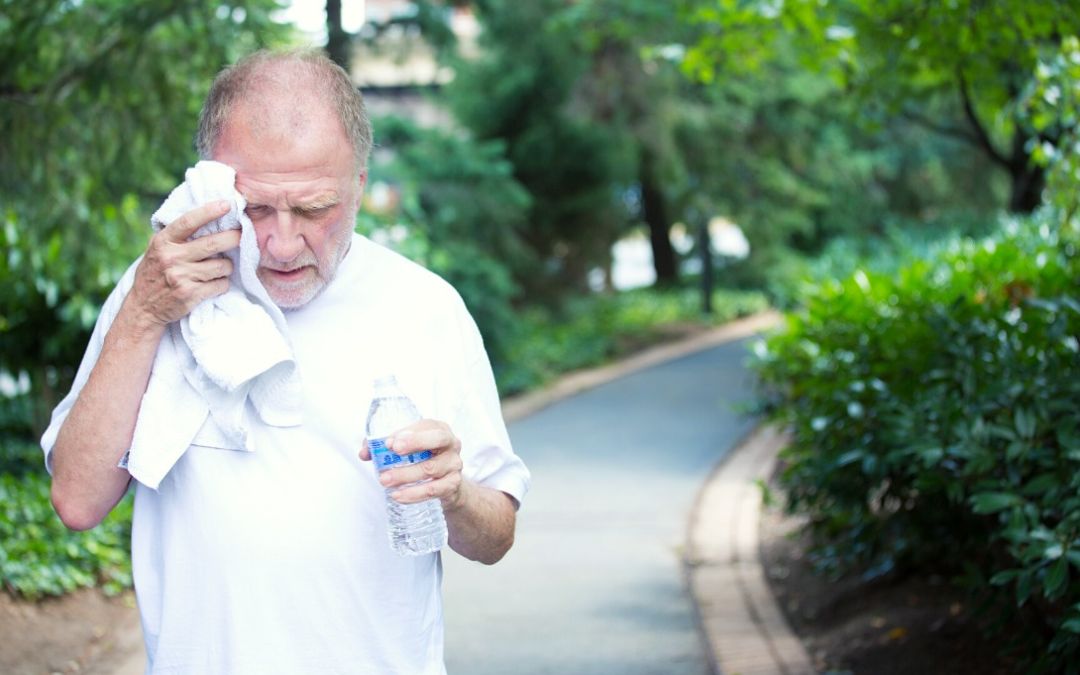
{"x": 480, "y": 520}
{"x": 173, "y": 277}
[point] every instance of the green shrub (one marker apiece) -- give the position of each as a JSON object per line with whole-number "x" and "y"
{"x": 589, "y": 330}
{"x": 39, "y": 556}
{"x": 935, "y": 426}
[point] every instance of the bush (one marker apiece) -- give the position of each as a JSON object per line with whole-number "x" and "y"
{"x": 38, "y": 555}
{"x": 934, "y": 421}
{"x": 590, "y": 330}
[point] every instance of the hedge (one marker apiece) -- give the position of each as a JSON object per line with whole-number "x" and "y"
{"x": 935, "y": 420}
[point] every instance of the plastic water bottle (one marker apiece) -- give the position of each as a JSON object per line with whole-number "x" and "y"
{"x": 415, "y": 529}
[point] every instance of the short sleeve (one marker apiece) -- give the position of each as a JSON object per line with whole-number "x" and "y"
{"x": 487, "y": 453}
{"x": 93, "y": 350}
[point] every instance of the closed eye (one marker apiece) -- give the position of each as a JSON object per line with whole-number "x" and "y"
{"x": 257, "y": 210}
{"x": 312, "y": 211}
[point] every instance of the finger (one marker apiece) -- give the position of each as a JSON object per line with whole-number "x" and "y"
{"x": 215, "y": 244}
{"x": 436, "y": 489}
{"x": 208, "y": 289}
{"x": 182, "y": 228}
{"x": 365, "y": 451}
{"x": 424, "y": 435}
{"x": 436, "y": 468}
{"x": 212, "y": 268}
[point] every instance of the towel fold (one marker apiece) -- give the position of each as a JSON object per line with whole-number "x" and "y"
{"x": 230, "y": 350}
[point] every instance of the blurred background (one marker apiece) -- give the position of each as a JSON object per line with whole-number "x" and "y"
{"x": 594, "y": 176}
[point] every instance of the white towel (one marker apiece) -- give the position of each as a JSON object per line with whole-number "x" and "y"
{"x": 230, "y": 350}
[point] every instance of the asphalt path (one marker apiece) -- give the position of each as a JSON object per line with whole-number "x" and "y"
{"x": 595, "y": 584}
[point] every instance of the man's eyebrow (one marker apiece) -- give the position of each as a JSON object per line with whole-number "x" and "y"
{"x": 321, "y": 202}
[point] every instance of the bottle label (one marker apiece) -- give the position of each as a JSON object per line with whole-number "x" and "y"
{"x": 384, "y": 458}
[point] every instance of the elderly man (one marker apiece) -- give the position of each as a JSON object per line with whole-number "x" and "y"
{"x": 277, "y": 560}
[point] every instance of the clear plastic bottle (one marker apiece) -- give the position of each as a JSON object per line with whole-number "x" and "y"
{"x": 415, "y": 529}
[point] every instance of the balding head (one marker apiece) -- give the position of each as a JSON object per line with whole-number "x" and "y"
{"x": 281, "y": 96}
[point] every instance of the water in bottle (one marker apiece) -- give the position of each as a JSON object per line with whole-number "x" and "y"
{"x": 415, "y": 529}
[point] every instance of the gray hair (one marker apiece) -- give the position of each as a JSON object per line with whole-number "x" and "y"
{"x": 304, "y": 70}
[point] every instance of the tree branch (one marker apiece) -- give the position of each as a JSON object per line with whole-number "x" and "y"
{"x": 982, "y": 138}
{"x": 922, "y": 120}
{"x": 128, "y": 29}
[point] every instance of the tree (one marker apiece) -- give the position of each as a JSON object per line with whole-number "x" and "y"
{"x": 338, "y": 41}
{"x": 98, "y": 105}
{"x": 629, "y": 86}
{"x": 519, "y": 90}
{"x": 957, "y": 68}
{"x": 464, "y": 215}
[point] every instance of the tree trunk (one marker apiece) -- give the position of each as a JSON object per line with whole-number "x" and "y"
{"x": 1028, "y": 178}
{"x": 654, "y": 210}
{"x": 705, "y": 251}
{"x": 338, "y": 42}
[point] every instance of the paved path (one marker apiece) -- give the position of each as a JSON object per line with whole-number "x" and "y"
{"x": 595, "y": 583}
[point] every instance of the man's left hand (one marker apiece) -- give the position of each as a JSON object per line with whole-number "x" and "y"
{"x": 442, "y": 472}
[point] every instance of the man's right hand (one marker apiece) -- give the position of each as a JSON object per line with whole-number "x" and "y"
{"x": 176, "y": 274}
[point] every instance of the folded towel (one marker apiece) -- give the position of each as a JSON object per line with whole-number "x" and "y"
{"x": 230, "y": 350}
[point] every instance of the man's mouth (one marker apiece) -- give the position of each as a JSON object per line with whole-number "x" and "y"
{"x": 287, "y": 275}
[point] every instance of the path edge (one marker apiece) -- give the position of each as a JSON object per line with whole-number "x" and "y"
{"x": 746, "y": 632}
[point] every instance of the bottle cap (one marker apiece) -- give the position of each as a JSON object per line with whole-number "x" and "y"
{"x": 385, "y": 381}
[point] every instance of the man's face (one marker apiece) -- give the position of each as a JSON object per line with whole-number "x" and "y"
{"x": 302, "y": 196}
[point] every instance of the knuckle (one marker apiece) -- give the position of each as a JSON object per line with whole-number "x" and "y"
{"x": 173, "y": 278}
{"x": 429, "y": 469}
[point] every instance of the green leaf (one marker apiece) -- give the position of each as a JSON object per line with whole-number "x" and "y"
{"x": 1023, "y": 588}
{"x": 993, "y": 502}
{"x": 1073, "y": 556}
{"x": 1056, "y": 578}
{"x": 849, "y": 457}
{"x": 1025, "y": 422}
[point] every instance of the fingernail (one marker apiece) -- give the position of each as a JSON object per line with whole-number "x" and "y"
{"x": 384, "y": 478}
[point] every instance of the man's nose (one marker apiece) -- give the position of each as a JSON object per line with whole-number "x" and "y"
{"x": 285, "y": 239}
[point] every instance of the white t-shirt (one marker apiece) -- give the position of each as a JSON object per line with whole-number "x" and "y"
{"x": 277, "y": 561}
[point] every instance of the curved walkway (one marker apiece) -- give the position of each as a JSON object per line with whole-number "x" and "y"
{"x": 601, "y": 576}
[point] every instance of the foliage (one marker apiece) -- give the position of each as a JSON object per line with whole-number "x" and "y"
{"x": 902, "y": 242}
{"x": 98, "y": 103}
{"x": 1052, "y": 107}
{"x": 38, "y": 554}
{"x": 956, "y": 68}
{"x": 590, "y": 330}
{"x": 462, "y": 213}
{"x": 519, "y": 92}
{"x": 933, "y": 413}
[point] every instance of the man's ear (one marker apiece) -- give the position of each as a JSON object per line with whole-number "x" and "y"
{"x": 361, "y": 182}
